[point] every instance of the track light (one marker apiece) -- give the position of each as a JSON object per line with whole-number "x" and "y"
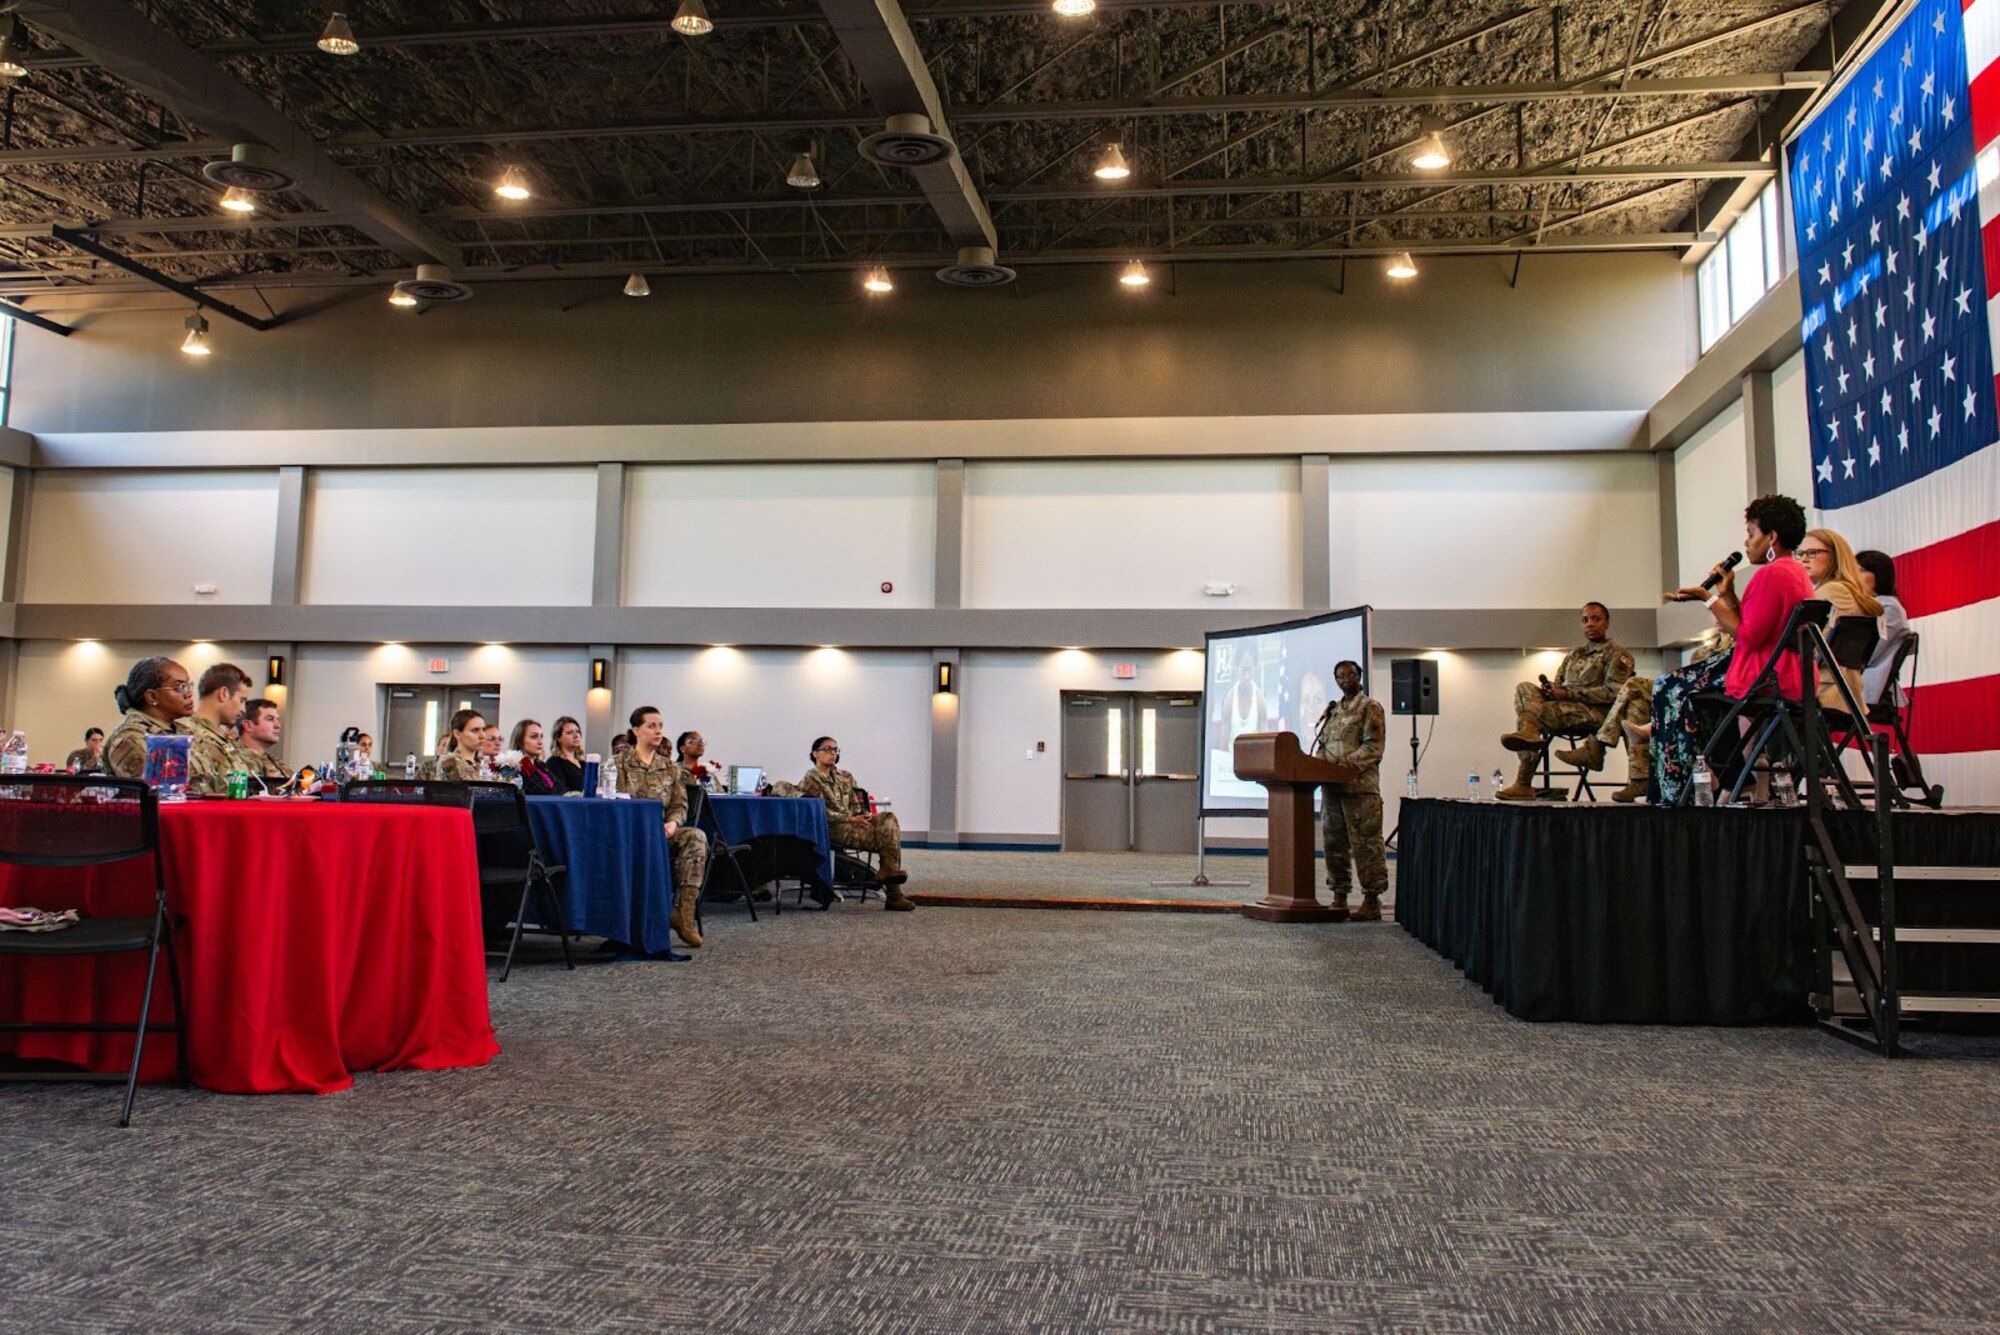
{"x": 692, "y": 20}
{"x": 196, "y": 342}
{"x": 877, "y": 281}
{"x": 398, "y": 297}
{"x": 1074, "y": 9}
{"x": 238, "y": 200}
{"x": 512, "y": 185}
{"x": 1402, "y": 266}
{"x": 803, "y": 175}
{"x": 1135, "y": 275}
{"x": 10, "y": 49}
{"x": 637, "y": 286}
{"x": 1112, "y": 166}
{"x": 338, "y": 39}
{"x": 1431, "y": 154}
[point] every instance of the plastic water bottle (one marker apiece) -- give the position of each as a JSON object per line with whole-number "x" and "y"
{"x": 1782, "y": 792}
{"x": 1472, "y": 786}
{"x": 1499, "y": 782}
{"x": 410, "y": 765}
{"x": 14, "y": 760}
{"x": 1704, "y": 783}
{"x": 607, "y": 780}
{"x": 1410, "y": 784}
{"x": 485, "y": 770}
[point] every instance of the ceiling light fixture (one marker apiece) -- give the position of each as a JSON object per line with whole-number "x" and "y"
{"x": 1074, "y": 9}
{"x": 1431, "y": 154}
{"x": 338, "y": 39}
{"x": 877, "y": 281}
{"x": 1402, "y": 266}
{"x": 1135, "y": 275}
{"x": 238, "y": 200}
{"x": 637, "y": 286}
{"x": 196, "y": 342}
{"x": 10, "y": 49}
{"x": 803, "y": 175}
{"x": 398, "y": 297}
{"x": 1112, "y": 166}
{"x": 692, "y": 20}
{"x": 512, "y": 185}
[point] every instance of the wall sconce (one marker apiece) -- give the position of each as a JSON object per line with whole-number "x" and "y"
{"x": 274, "y": 670}
{"x": 945, "y": 684}
{"x": 600, "y": 674}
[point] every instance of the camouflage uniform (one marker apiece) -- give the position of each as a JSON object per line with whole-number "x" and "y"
{"x": 457, "y": 765}
{"x": 79, "y": 762}
{"x": 1352, "y": 821}
{"x": 213, "y": 753}
{"x": 125, "y": 749}
{"x": 1593, "y": 676}
{"x": 882, "y": 834}
{"x": 662, "y": 782}
{"x": 262, "y": 764}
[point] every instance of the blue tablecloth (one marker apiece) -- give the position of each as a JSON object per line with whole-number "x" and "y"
{"x": 741, "y": 819}
{"x": 621, "y": 876}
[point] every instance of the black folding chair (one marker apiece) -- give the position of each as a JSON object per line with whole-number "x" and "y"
{"x": 1891, "y": 714}
{"x": 701, "y": 816}
{"x": 88, "y": 821}
{"x": 513, "y": 870}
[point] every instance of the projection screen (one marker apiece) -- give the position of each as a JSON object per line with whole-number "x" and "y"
{"x": 1270, "y": 679}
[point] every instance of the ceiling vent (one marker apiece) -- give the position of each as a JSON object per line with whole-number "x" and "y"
{"x": 975, "y": 268}
{"x": 434, "y": 283}
{"x": 249, "y": 167}
{"x": 908, "y": 141}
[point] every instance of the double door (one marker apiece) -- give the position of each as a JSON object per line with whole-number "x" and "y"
{"x": 1131, "y": 771}
{"x": 414, "y": 717}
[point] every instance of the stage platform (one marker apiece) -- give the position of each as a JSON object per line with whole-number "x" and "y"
{"x": 1606, "y": 914}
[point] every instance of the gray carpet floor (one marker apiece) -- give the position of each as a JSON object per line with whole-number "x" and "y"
{"x": 995, "y": 1120}
{"x": 1096, "y": 875}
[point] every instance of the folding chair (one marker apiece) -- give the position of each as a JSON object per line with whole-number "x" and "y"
{"x": 1582, "y": 788}
{"x": 1890, "y": 715}
{"x": 512, "y": 868}
{"x": 701, "y": 816}
{"x": 87, "y": 821}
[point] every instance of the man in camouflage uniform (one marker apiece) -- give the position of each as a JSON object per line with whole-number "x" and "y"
{"x": 257, "y": 737}
{"x": 849, "y": 824}
{"x": 1351, "y": 733}
{"x": 159, "y": 710}
{"x": 1585, "y": 685}
{"x": 213, "y": 753}
{"x": 646, "y": 771}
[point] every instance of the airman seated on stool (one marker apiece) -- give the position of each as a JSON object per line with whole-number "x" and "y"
{"x": 1585, "y": 686}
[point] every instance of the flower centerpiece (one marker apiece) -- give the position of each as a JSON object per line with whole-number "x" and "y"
{"x": 507, "y": 767}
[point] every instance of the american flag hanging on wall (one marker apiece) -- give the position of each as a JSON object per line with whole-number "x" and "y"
{"x": 1899, "y": 248}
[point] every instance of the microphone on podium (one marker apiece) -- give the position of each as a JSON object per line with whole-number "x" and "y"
{"x": 1729, "y": 562}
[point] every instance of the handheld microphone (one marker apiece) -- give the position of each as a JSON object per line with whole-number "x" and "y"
{"x": 1729, "y": 562}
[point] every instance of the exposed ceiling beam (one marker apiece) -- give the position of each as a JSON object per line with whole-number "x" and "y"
{"x": 13, "y": 312}
{"x": 91, "y": 246}
{"x": 192, "y": 86}
{"x": 886, "y": 59}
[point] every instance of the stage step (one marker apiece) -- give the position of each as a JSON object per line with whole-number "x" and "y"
{"x": 1950, "y": 1003}
{"x": 1870, "y": 873}
{"x": 1943, "y": 936}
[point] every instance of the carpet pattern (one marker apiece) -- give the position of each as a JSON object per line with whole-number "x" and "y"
{"x": 986, "y": 1120}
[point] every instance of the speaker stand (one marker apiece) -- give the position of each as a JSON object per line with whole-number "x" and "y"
{"x": 1201, "y": 880}
{"x": 1416, "y": 758}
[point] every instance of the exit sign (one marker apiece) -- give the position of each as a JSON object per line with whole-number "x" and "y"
{"x": 1124, "y": 671}
{"x": 440, "y": 665}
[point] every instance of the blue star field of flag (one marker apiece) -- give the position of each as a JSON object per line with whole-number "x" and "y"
{"x": 1899, "y": 367}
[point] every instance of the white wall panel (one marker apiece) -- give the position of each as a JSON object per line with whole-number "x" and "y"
{"x": 482, "y": 537}
{"x": 147, "y": 537}
{"x": 64, "y": 686}
{"x": 781, "y": 535}
{"x": 1711, "y": 487}
{"x": 1794, "y": 434}
{"x": 1143, "y": 534}
{"x": 765, "y": 706}
{"x": 1494, "y": 532}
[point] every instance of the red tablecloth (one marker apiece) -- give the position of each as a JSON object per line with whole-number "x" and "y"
{"x": 316, "y": 939}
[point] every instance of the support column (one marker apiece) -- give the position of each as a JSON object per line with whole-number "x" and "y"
{"x": 1670, "y": 521}
{"x": 607, "y": 565}
{"x": 15, "y": 557}
{"x": 1316, "y": 532}
{"x": 1760, "y": 433}
{"x": 599, "y": 704}
{"x": 288, "y": 545}
{"x": 944, "y": 752}
{"x": 948, "y": 560}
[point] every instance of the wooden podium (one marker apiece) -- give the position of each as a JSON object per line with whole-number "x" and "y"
{"x": 1289, "y": 775}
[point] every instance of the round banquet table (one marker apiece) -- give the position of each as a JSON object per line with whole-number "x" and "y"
{"x": 620, "y": 879}
{"x": 315, "y": 939}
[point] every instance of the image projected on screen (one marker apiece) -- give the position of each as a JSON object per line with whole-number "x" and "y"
{"x": 1270, "y": 679}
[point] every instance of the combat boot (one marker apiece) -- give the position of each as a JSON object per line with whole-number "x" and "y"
{"x": 896, "y": 901}
{"x": 1525, "y": 737}
{"x": 682, "y": 920}
{"x": 1523, "y": 788}
{"x": 1639, "y": 760}
{"x": 1337, "y": 901}
{"x": 1589, "y": 756}
{"x": 1370, "y": 910}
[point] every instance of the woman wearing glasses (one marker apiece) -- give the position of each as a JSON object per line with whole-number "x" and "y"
{"x": 1836, "y": 577}
{"x": 157, "y": 698}
{"x": 852, "y": 825}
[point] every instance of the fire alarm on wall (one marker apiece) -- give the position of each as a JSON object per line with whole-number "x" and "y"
{"x": 888, "y": 586}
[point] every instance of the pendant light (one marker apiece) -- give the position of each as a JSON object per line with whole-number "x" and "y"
{"x": 877, "y": 282}
{"x": 1074, "y": 9}
{"x": 398, "y": 297}
{"x": 692, "y": 20}
{"x": 1135, "y": 275}
{"x": 338, "y": 38}
{"x": 196, "y": 342}
{"x": 1112, "y": 166}
{"x": 637, "y": 286}
{"x": 238, "y": 200}
{"x": 10, "y": 49}
{"x": 1402, "y": 266}
{"x": 512, "y": 185}
{"x": 803, "y": 175}
{"x": 1431, "y": 155}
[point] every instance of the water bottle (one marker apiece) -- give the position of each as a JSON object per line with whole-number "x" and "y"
{"x": 1472, "y": 786}
{"x": 15, "y": 757}
{"x": 1782, "y": 792}
{"x": 1410, "y": 785}
{"x": 485, "y": 770}
{"x": 410, "y": 765}
{"x": 1704, "y": 783}
{"x": 1499, "y": 781}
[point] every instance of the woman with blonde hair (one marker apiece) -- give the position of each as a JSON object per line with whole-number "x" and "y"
{"x": 1836, "y": 577}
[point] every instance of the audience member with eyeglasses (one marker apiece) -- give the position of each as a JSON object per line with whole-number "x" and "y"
{"x": 850, "y": 823}
{"x": 1830, "y": 563}
{"x": 156, "y": 699}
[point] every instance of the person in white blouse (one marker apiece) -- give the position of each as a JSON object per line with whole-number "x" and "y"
{"x": 1878, "y": 576}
